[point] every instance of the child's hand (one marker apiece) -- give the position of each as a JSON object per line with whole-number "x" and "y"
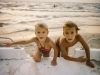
{"x": 88, "y": 63}
{"x": 54, "y": 62}
{"x": 81, "y": 59}
{"x": 7, "y": 44}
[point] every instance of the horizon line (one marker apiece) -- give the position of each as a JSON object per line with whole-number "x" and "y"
{"x": 71, "y": 1}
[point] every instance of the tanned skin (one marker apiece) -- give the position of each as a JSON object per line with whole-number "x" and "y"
{"x": 69, "y": 38}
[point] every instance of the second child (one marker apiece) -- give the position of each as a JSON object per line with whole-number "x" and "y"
{"x": 69, "y": 38}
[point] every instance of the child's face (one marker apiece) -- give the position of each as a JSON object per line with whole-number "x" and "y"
{"x": 41, "y": 33}
{"x": 70, "y": 33}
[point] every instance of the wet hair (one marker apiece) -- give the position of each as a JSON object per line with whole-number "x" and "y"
{"x": 70, "y": 24}
{"x": 41, "y": 25}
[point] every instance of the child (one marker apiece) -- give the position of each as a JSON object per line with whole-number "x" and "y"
{"x": 71, "y": 37}
{"x": 44, "y": 43}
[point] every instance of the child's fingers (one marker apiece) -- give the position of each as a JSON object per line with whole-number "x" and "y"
{"x": 6, "y": 44}
{"x": 90, "y": 64}
{"x": 53, "y": 63}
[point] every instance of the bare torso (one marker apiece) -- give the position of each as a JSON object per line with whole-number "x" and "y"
{"x": 63, "y": 42}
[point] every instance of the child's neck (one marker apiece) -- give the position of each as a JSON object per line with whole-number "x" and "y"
{"x": 43, "y": 41}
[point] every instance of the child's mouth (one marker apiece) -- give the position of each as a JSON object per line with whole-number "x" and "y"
{"x": 70, "y": 39}
{"x": 41, "y": 37}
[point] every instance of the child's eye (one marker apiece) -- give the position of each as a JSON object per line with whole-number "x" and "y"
{"x": 66, "y": 32}
{"x": 72, "y": 32}
{"x": 38, "y": 32}
{"x": 43, "y": 32}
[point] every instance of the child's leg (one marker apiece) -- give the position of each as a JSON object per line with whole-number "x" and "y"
{"x": 46, "y": 55}
{"x": 37, "y": 55}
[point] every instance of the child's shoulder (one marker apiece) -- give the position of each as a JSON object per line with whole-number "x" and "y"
{"x": 62, "y": 39}
{"x": 34, "y": 37}
{"x": 78, "y": 37}
{"x": 48, "y": 39}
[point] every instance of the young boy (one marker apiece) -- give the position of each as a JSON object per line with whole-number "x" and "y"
{"x": 71, "y": 37}
{"x": 44, "y": 43}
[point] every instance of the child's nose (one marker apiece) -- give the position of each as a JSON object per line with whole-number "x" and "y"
{"x": 69, "y": 35}
{"x": 41, "y": 34}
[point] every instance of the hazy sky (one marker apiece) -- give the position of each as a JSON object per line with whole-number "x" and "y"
{"x": 83, "y": 1}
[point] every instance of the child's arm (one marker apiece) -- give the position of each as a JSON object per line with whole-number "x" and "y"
{"x": 53, "y": 45}
{"x": 64, "y": 51}
{"x": 21, "y": 42}
{"x": 87, "y": 50}
{"x": 85, "y": 46}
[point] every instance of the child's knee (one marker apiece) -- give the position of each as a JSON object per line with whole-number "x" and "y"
{"x": 37, "y": 60}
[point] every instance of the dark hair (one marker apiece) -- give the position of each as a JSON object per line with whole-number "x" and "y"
{"x": 70, "y": 24}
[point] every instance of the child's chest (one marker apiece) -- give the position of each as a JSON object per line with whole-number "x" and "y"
{"x": 45, "y": 45}
{"x": 72, "y": 43}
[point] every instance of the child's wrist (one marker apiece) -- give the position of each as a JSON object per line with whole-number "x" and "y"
{"x": 54, "y": 59}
